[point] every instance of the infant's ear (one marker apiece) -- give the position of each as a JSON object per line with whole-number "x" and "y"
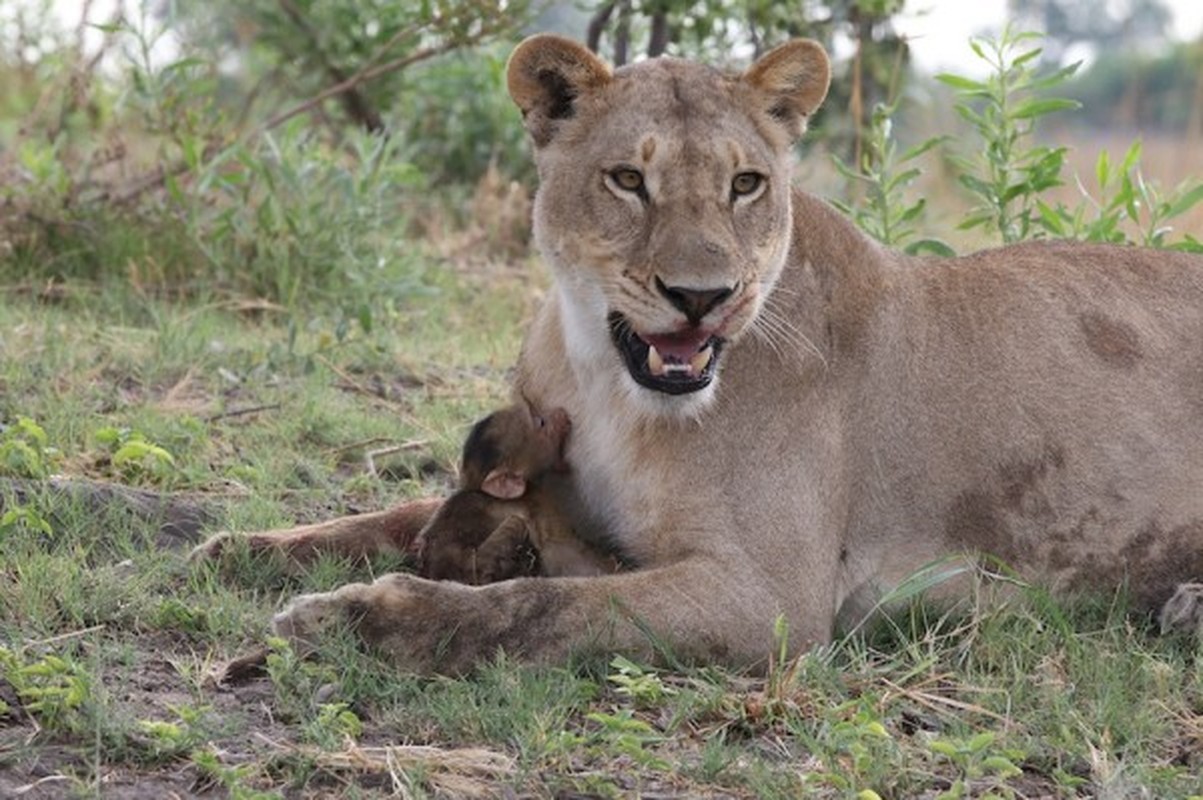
{"x": 504, "y": 484}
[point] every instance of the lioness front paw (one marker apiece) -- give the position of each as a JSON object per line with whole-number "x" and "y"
{"x": 307, "y": 617}
{"x": 421, "y": 626}
{"x": 1184, "y": 611}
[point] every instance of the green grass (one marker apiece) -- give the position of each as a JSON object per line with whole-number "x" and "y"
{"x": 107, "y": 640}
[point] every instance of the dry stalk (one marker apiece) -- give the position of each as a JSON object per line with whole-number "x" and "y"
{"x": 460, "y": 772}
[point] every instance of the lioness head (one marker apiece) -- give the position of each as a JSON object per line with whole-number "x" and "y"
{"x": 664, "y": 204}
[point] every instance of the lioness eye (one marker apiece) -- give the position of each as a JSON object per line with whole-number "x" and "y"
{"x": 746, "y": 183}
{"x": 628, "y": 179}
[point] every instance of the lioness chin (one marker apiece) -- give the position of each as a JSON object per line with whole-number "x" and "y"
{"x": 773, "y": 415}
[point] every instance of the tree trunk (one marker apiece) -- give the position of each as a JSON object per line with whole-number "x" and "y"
{"x": 660, "y": 37}
{"x": 622, "y": 33}
{"x": 597, "y": 25}
{"x": 354, "y": 102}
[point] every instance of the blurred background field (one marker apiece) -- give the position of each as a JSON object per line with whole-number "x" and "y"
{"x": 278, "y": 150}
{"x": 271, "y": 257}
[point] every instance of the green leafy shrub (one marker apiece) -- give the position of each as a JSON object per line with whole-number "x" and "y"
{"x": 1127, "y": 208}
{"x": 884, "y": 176}
{"x": 1010, "y": 177}
{"x": 25, "y": 451}
{"x": 134, "y": 456}
{"x": 54, "y": 689}
{"x": 456, "y": 119}
{"x": 229, "y": 169}
{"x": 295, "y": 219}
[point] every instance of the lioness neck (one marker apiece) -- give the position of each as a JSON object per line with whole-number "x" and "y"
{"x": 836, "y": 276}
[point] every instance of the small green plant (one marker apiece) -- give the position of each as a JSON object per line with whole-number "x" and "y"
{"x": 1125, "y": 201}
{"x": 856, "y": 750}
{"x": 25, "y": 451}
{"x": 165, "y": 739}
{"x": 21, "y": 519}
{"x": 1008, "y": 175}
{"x": 884, "y": 176}
{"x": 297, "y": 682}
{"x": 174, "y": 614}
{"x": 135, "y": 456}
{"x": 53, "y": 689}
{"x": 334, "y": 724}
{"x": 782, "y": 670}
{"x": 624, "y": 733}
{"x": 982, "y": 765}
{"x": 1115, "y": 204}
{"x": 640, "y": 684}
{"x": 232, "y": 779}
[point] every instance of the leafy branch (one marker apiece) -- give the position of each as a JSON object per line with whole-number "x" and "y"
{"x": 1007, "y": 176}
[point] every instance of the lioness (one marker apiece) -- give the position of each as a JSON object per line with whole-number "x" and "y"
{"x": 775, "y": 415}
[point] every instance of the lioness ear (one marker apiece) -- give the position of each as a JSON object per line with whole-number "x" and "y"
{"x": 545, "y": 76}
{"x": 504, "y": 484}
{"x": 795, "y": 77}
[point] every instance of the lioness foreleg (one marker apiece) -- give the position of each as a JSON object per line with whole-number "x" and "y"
{"x": 693, "y": 608}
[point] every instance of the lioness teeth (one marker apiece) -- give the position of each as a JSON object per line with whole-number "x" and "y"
{"x": 655, "y": 363}
{"x": 658, "y": 366}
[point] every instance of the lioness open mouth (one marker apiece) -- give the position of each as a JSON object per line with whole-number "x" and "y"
{"x": 673, "y": 363}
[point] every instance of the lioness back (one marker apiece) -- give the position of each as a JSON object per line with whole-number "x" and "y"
{"x": 1042, "y": 403}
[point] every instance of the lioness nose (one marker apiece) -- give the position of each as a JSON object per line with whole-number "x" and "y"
{"x": 694, "y": 303}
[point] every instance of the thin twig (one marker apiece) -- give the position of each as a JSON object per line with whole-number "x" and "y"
{"x": 62, "y": 637}
{"x": 371, "y": 456}
{"x": 369, "y": 73}
{"x": 934, "y": 701}
{"x": 346, "y": 376}
{"x": 29, "y": 787}
{"x": 239, "y": 412}
{"x": 349, "y": 382}
{"x": 342, "y": 448}
{"x": 159, "y": 176}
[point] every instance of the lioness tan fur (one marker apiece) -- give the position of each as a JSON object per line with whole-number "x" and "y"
{"x": 822, "y": 417}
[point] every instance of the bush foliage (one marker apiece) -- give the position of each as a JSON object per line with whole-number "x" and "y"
{"x": 205, "y": 151}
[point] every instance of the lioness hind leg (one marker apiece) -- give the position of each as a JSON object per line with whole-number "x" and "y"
{"x": 1184, "y": 611}
{"x": 390, "y": 531}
